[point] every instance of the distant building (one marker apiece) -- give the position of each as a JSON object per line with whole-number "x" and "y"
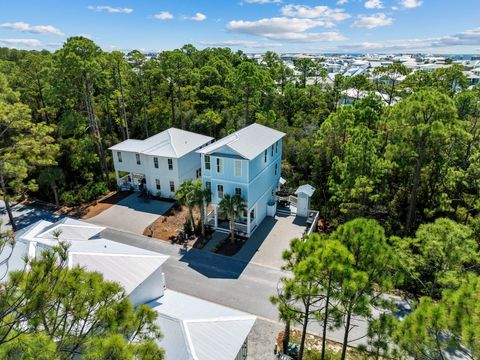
{"x": 160, "y": 163}
{"x": 246, "y": 163}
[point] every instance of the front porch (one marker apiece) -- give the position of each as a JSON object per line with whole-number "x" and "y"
{"x": 244, "y": 226}
{"x": 130, "y": 180}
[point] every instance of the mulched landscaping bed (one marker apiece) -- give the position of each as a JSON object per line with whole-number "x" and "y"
{"x": 227, "y": 248}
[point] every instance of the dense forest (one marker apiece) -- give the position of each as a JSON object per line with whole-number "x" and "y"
{"x": 409, "y": 160}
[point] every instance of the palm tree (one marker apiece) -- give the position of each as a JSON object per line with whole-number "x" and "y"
{"x": 232, "y": 207}
{"x": 202, "y": 198}
{"x": 186, "y": 196}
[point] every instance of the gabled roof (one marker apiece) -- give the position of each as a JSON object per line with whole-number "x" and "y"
{"x": 248, "y": 142}
{"x": 172, "y": 143}
{"x": 196, "y": 329}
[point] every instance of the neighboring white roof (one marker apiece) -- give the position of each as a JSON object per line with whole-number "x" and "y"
{"x": 126, "y": 270}
{"x": 248, "y": 142}
{"x": 282, "y": 181}
{"x": 70, "y": 229}
{"x": 305, "y": 189}
{"x": 195, "y": 329}
{"x": 172, "y": 143}
{"x": 127, "y": 265}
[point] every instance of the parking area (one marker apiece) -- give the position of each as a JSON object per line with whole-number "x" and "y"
{"x": 25, "y": 215}
{"x": 132, "y": 214}
{"x": 266, "y": 245}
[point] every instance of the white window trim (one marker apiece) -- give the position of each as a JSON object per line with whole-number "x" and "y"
{"x": 209, "y": 162}
{"x": 119, "y": 156}
{"x": 170, "y": 161}
{"x": 235, "y": 162}
{"x": 138, "y": 160}
{"x": 218, "y": 192}
{"x": 219, "y": 165}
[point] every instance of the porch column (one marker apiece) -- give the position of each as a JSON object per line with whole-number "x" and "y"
{"x": 248, "y": 222}
{"x": 117, "y": 177}
{"x": 216, "y": 216}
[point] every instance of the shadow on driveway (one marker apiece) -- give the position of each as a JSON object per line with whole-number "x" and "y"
{"x": 26, "y": 215}
{"x": 213, "y": 265}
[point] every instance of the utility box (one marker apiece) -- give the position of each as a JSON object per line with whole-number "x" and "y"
{"x": 304, "y": 194}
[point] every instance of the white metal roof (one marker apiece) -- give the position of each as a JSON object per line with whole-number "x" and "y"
{"x": 126, "y": 270}
{"x": 305, "y": 189}
{"x": 198, "y": 329}
{"x": 127, "y": 265}
{"x": 172, "y": 143}
{"x": 248, "y": 142}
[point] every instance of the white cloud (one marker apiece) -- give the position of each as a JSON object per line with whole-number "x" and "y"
{"x": 325, "y": 13}
{"x": 263, "y": 1}
{"x": 342, "y": 2}
{"x": 239, "y": 43}
{"x": 35, "y": 29}
{"x": 374, "y": 4}
{"x": 163, "y": 15}
{"x": 469, "y": 38}
{"x": 197, "y": 17}
{"x": 372, "y": 21}
{"x": 284, "y": 29}
{"x": 111, "y": 9}
{"x": 309, "y": 37}
{"x": 21, "y": 42}
{"x": 274, "y": 25}
{"x": 410, "y": 4}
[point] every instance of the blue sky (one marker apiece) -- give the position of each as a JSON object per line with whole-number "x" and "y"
{"x": 438, "y": 26}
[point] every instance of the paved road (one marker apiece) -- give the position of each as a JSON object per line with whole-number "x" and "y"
{"x": 223, "y": 280}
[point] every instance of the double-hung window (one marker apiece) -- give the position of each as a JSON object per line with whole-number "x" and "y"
{"x": 208, "y": 186}
{"x": 265, "y": 153}
{"x": 155, "y": 162}
{"x": 172, "y": 186}
{"x": 170, "y": 164}
{"x": 272, "y": 151}
{"x": 207, "y": 162}
{"x": 238, "y": 191}
{"x": 157, "y": 184}
{"x": 198, "y": 173}
{"x": 276, "y": 169}
{"x": 137, "y": 157}
{"x": 219, "y": 166}
{"x": 220, "y": 191}
{"x": 238, "y": 168}
{"x": 276, "y": 147}
{"x": 119, "y": 156}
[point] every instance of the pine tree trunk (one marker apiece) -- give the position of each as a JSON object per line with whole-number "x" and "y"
{"x": 304, "y": 330}
{"x": 94, "y": 129}
{"x": 347, "y": 332}
{"x": 172, "y": 104}
{"x": 7, "y": 203}
{"x": 325, "y": 320}
{"x": 55, "y": 195}
{"x": 286, "y": 337}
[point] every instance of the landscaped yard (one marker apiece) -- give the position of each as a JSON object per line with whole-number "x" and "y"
{"x": 169, "y": 226}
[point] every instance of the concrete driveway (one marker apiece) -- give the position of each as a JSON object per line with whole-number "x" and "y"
{"x": 132, "y": 214}
{"x": 266, "y": 245}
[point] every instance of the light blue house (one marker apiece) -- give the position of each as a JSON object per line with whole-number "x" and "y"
{"x": 245, "y": 163}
